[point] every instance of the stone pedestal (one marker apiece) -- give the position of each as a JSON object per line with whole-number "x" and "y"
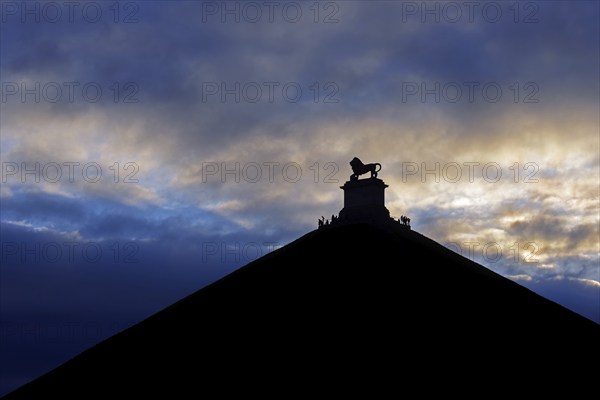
{"x": 364, "y": 201}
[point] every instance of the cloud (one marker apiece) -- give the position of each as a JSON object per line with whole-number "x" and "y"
{"x": 579, "y": 296}
{"x": 175, "y": 128}
{"x": 520, "y": 277}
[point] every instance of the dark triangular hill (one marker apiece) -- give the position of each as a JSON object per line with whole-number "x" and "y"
{"x": 350, "y": 301}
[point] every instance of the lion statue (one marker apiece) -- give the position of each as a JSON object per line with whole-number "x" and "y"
{"x": 359, "y": 168}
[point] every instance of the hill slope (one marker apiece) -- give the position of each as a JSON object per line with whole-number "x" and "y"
{"x": 348, "y": 300}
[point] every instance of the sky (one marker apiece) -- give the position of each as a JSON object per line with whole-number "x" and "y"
{"x": 151, "y": 147}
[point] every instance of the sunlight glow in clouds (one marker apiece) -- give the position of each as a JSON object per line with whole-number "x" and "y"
{"x": 172, "y": 132}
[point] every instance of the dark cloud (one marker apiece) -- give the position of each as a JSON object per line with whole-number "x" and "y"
{"x": 368, "y": 65}
{"x": 576, "y": 295}
{"x": 44, "y": 209}
{"x": 556, "y": 230}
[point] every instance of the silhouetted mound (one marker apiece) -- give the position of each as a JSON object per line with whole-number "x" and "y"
{"x": 354, "y": 301}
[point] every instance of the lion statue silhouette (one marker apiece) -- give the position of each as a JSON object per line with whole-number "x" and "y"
{"x": 358, "y": 168}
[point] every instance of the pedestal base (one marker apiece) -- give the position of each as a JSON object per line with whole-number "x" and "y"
{"x": 364, "y": 201}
